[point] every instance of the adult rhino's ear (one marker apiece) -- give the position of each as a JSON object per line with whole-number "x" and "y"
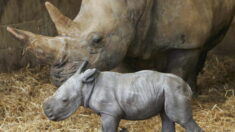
{"x": 89, "y": 75}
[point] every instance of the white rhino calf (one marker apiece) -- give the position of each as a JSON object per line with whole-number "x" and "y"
{"x": 132, "y": 96}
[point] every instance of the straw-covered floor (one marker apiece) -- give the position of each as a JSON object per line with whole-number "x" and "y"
{"x": 22, "y": 93}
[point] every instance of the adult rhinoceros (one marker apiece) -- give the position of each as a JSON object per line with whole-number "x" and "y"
{"x": 166, "y": 35}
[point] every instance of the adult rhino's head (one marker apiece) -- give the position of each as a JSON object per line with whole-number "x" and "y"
{"x": 73, "y": 93}
{"x": 100, "y": 34}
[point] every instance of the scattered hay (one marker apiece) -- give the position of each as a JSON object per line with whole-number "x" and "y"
{"x": 23, "y": 92}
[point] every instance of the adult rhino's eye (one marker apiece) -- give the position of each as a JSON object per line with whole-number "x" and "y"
{"x": 97, "y": 38}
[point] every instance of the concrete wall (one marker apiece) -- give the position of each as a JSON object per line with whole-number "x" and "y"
{"x": 30, "y": 15}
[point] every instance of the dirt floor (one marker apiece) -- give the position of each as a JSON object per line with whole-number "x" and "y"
{"x": 23, "y": 92}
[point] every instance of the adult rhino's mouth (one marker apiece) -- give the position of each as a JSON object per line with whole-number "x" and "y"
{"x": 64, "y": 69}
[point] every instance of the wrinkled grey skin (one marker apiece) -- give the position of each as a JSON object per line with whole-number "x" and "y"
{"x": 132, "y": 96}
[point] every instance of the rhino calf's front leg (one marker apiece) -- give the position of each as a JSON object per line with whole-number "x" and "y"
{"x": 109, "y": 123}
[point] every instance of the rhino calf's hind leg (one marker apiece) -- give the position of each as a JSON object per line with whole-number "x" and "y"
{"x": 183, "y": 118}
{"x": 109, "y": 123}
{"x": 177, "y": 106}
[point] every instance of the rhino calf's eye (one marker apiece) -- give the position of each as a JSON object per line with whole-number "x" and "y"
{"x": 65, "y": 100}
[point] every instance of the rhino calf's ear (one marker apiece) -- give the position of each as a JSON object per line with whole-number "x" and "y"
{"x": 89, "y": 75}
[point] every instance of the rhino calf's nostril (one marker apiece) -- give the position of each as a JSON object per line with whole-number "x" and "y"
{"x": 52, "y": 118}
{"x": 50, "y": 115}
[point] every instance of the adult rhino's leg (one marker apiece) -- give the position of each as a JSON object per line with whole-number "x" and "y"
{"x": 109, "y": 123}
{"x": 186, "y": 63}
{"x": 167, "y": 124}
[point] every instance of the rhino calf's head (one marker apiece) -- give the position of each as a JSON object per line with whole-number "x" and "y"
{"x": 70, "y": 95}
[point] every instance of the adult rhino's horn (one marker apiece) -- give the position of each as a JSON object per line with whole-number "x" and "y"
{"x": 43, "y": 47}
{"x": 21, "y": 35}
{"x": 64, "y": 25}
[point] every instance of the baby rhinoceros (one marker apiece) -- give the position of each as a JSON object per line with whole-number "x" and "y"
{"x": 132, "y": 96}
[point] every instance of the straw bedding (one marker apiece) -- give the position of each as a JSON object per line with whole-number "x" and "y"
{"x": 22, "y": 94}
